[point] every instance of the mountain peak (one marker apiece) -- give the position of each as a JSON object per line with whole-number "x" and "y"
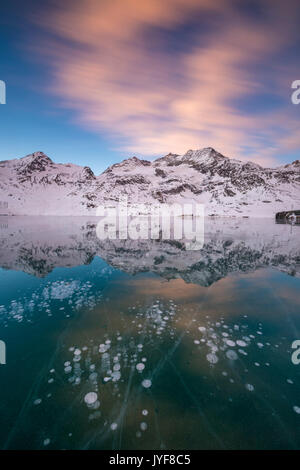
{"x": 36, "y": 161}
{"x": 202, "y": 154}
{"x": 128, "y": 163}
{"x": 36, "y": 156}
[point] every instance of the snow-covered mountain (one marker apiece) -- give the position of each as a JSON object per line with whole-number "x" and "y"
{"x": 35, "y": 185}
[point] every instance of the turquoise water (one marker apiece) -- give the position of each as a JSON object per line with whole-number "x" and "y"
{"x": 138, "y": 346}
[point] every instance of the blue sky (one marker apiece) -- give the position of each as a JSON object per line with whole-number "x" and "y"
{"x": 93, "y": 82}
{"x": 32, "y": 119}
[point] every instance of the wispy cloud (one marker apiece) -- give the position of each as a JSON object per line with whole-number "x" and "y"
{"x": 112, "y": 65}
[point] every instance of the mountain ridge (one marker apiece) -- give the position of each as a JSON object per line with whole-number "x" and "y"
{"x": 35, "y": 185}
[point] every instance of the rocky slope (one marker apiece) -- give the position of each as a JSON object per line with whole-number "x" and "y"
{"x": 35, "y": 185}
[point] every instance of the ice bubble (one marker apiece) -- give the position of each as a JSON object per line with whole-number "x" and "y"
{"x": 116, "y": 375}
{"x": 90, "y": 398}
{"x": 241, "y": 351}
{"x": 140, "y": 366}
{"x": 145, "y": 412}
{"x": 46, "y": 442}
{"x": 231, "y": 355}
{"x": 229, "y": 342}
{"x": 143, "y": 426}
{"x": 113, "y": 426}
{"x": 296, "y": 409}
{"x": 212, "y": 358}
{"x": 249, "y": 387}
{"x": 146, "y": 383}
{"x": 241, "y": 343}
{"x": 38, "y": 401}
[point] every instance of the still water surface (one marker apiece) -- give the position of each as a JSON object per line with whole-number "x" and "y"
{"x": 143, "y": 345}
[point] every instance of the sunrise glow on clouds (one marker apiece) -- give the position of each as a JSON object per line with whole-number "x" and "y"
{"x": 160, "y": 76}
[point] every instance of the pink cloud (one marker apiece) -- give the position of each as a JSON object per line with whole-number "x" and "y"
{"x": 151, "y": 101}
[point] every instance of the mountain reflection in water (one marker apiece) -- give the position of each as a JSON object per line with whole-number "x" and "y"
{"x": 123, "y": 344}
